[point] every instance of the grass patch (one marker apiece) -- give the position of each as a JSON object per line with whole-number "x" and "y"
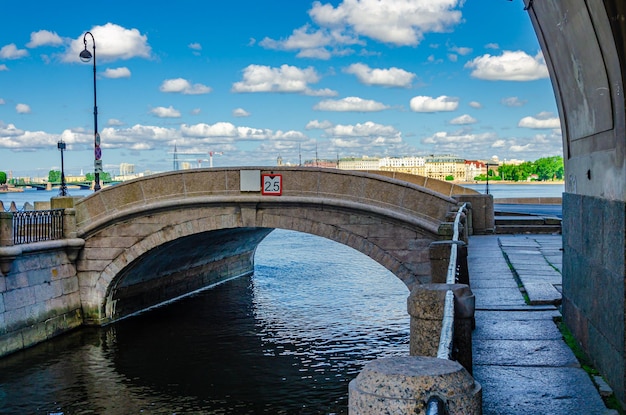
{"x": 610, "y": 402}
{"x": 516, "y": 277}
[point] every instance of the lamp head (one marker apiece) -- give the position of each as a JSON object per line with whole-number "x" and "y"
{"x": 85, "y": 55}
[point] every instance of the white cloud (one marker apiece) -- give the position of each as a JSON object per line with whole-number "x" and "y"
{"x": 401, "y": 23}
{"x": 240, "y": 112}
{"x": 463, "y": 142}
{"x": 3, "y": 67}
{"x": 113, "y": 122}
{"x": 286, "y": 78}
{"x": 512, "y": 102}
{"x": 183, "y": 86}
{"x": 317, "y": 125}
{"x": 2, "y": 101}
{"x": 430, "y": 104}
{"x": 463, "y": 120}
{"x": 195, "y": 46}
{"x": 510, "y": 66}
{"x": 11, "y": 51}
{"x": 122, "y": 72}
{"x": 475, "y": 104}
{"x": 366, "y": 129}
{"x": 138, "y": 137}
{"x": 461, "y": 50}
{"x": 112, "y": 42}
{"x": 384, "y": 77}
{"x": 492, "y": 46}
{"x": 541, "y": 121}
{"x": 368, "y": 136}
{"x": 196, "y": 111}
{"x": 350, "y": 104}
{"x": 22, "y": 108}
{"x": 224, "y": 131}
{"x": 163, "y": 112}
{"x": 44, "y": 38}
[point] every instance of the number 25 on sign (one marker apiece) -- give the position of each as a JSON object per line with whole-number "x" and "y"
{"x": 272, "y": 184}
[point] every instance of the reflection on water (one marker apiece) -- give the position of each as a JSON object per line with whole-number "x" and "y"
{"x": 285, "y": 341}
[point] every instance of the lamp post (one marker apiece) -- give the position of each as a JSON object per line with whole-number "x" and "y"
{"x": 63, "y": 190}
{"x": 86, "y": 56}
{"x": 487, "y": 190}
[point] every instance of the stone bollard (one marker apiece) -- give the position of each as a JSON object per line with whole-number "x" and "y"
{"x": 439, "y": 252}
{"x": 69, "y": 223}
{"x": 426, "y": 308}
{"x": 483, "y": 220}
{"x": 403, "y": 385}
{"x": 6, "y": 229}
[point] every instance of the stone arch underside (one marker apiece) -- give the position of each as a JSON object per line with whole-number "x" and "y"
{"x": 583, "y": 43}
{"x": 158, "y": 255}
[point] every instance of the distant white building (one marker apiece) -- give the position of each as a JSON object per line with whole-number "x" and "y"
{"x": 126, "y": 169}
{"x": 364, "y": 163}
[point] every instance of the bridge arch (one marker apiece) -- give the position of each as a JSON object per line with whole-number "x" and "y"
{"x": 130, "y": 227}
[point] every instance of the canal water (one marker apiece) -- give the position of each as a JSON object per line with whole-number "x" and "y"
{"x": 286, "y": 340}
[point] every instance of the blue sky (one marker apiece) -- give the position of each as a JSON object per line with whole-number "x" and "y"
{"x": 258, "y": 79}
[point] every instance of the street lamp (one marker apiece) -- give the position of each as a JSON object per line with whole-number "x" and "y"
{"x": 63, "y": 190}
{"x": 487, "y": 190}
{"x": 85, "y": 56}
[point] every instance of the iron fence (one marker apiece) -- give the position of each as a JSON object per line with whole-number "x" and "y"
{"x": 37, "y": 225}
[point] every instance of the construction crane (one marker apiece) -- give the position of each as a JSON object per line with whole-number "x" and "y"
{"x": 211, "y": 156}
{"x": 176, "y": 153}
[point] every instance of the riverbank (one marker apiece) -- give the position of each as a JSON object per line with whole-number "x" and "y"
{"x": 10, "y": 189}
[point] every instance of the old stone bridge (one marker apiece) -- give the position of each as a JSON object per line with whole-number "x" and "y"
{"x": 143, "y": 242}
{"x": 147, "y": 240}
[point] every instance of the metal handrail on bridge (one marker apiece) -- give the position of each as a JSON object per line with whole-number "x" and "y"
{"x": 435, "y": 405}
{"x": 37, "y": 225}
{"x": 447, "y": 329}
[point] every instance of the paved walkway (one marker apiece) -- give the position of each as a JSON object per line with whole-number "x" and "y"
{"x": 520, "y": 358}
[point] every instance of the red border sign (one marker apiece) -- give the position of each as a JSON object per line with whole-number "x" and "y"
{"x": 272, "y": 184}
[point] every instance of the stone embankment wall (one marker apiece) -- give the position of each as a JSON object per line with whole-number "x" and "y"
{"x": 39, "y": 297}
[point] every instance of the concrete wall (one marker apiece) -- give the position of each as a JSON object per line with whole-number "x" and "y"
{"x": 583, "y": 44}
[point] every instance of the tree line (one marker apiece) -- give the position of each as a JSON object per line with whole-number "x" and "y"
{"x": 543, "y": 169}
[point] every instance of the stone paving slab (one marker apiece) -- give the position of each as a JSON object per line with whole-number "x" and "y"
{"x": 539, "y": 353}
{"x": 518, "y": 390}
{"x": 493, "y": 283}
{"x": 515, "y": 326}
{"x": 520, "y": 358}
{"x": 536, "y": 313}
{"x": 488, "y": 297}
{"x": 542, "y": 293}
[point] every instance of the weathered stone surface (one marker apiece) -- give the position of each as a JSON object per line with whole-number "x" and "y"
{"x": 403, "y": 385}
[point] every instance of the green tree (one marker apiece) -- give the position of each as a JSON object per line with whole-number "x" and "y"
{"x": 549, "y": 168}
{"x": 449, "y": 177}
{"x": 54, "y": 176}
{"x": 104, "y": 177}
{"x": 3, "y": 177}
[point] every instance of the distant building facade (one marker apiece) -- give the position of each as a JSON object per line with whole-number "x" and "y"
{"x": 440, "y": 167}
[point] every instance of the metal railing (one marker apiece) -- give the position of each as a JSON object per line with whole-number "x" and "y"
{"x": 447, "y": 329}
{"x": 435, "y": 405}
{"x": 37, "y": 225}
